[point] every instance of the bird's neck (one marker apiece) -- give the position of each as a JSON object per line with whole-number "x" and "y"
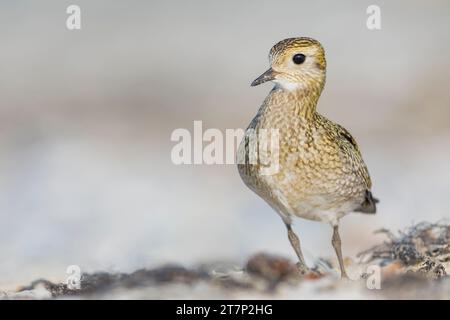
{"x": 298, "y": 102}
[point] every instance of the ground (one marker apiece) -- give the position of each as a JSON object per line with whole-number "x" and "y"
{"x": 413, "y": 264}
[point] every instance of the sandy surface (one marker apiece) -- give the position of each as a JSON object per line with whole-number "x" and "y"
{"x": 411, "y": 265}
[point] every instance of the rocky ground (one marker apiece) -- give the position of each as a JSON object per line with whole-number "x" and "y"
{"x": 412, "y": 264}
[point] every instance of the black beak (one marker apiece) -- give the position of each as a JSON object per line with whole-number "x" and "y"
{"x": 269, "y": 75}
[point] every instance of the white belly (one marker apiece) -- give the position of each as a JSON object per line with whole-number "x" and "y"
{"x": 318, "y": 212}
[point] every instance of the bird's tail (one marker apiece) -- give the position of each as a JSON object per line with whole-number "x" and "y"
{"x": 369, "y": 204}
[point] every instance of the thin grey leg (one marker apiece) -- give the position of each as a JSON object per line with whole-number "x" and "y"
{"x": 295, "y": 242}
{"x": 336, "y": 242}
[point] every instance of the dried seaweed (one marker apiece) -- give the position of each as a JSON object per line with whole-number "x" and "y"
{"x": 423, "y": 248}
{"x": 414, "y": 263}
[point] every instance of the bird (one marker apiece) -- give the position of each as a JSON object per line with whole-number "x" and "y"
{"x": 320, "y": 173}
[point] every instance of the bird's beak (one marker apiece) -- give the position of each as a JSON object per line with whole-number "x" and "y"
{"x": 269, "y": 75}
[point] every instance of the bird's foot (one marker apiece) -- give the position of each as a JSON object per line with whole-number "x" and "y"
{"x": 308, "y": 273}
{"x": 344, "y": 276}
{"x": 302, "y": 268}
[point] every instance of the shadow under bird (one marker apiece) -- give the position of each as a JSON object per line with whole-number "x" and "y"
{"x": 320, "y": 175}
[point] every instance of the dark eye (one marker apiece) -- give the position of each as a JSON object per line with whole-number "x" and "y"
{"x": 298, "y": 58}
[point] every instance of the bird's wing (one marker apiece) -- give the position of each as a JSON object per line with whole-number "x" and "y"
{"x": 350, "y": 149}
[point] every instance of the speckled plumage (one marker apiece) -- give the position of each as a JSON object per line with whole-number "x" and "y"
{"x": 321, "y": 175}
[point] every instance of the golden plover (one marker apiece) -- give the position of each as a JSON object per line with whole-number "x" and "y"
{"x": 321, "y": 175}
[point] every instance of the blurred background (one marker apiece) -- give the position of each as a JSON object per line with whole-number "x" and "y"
{"x": 86, "y": 116}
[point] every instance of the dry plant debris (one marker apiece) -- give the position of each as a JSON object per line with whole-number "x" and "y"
{"x": 423, "y": 248}
{"x": 414, "y": 263}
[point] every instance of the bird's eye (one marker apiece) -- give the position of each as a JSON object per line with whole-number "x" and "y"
{"x": 299, "y": 58}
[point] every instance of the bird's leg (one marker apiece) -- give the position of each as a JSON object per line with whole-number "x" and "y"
{"x": 336, "y": 242}
{"x": 295, "y": 242}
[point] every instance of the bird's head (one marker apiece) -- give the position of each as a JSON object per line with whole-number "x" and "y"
{"x": 296, "y": 64}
